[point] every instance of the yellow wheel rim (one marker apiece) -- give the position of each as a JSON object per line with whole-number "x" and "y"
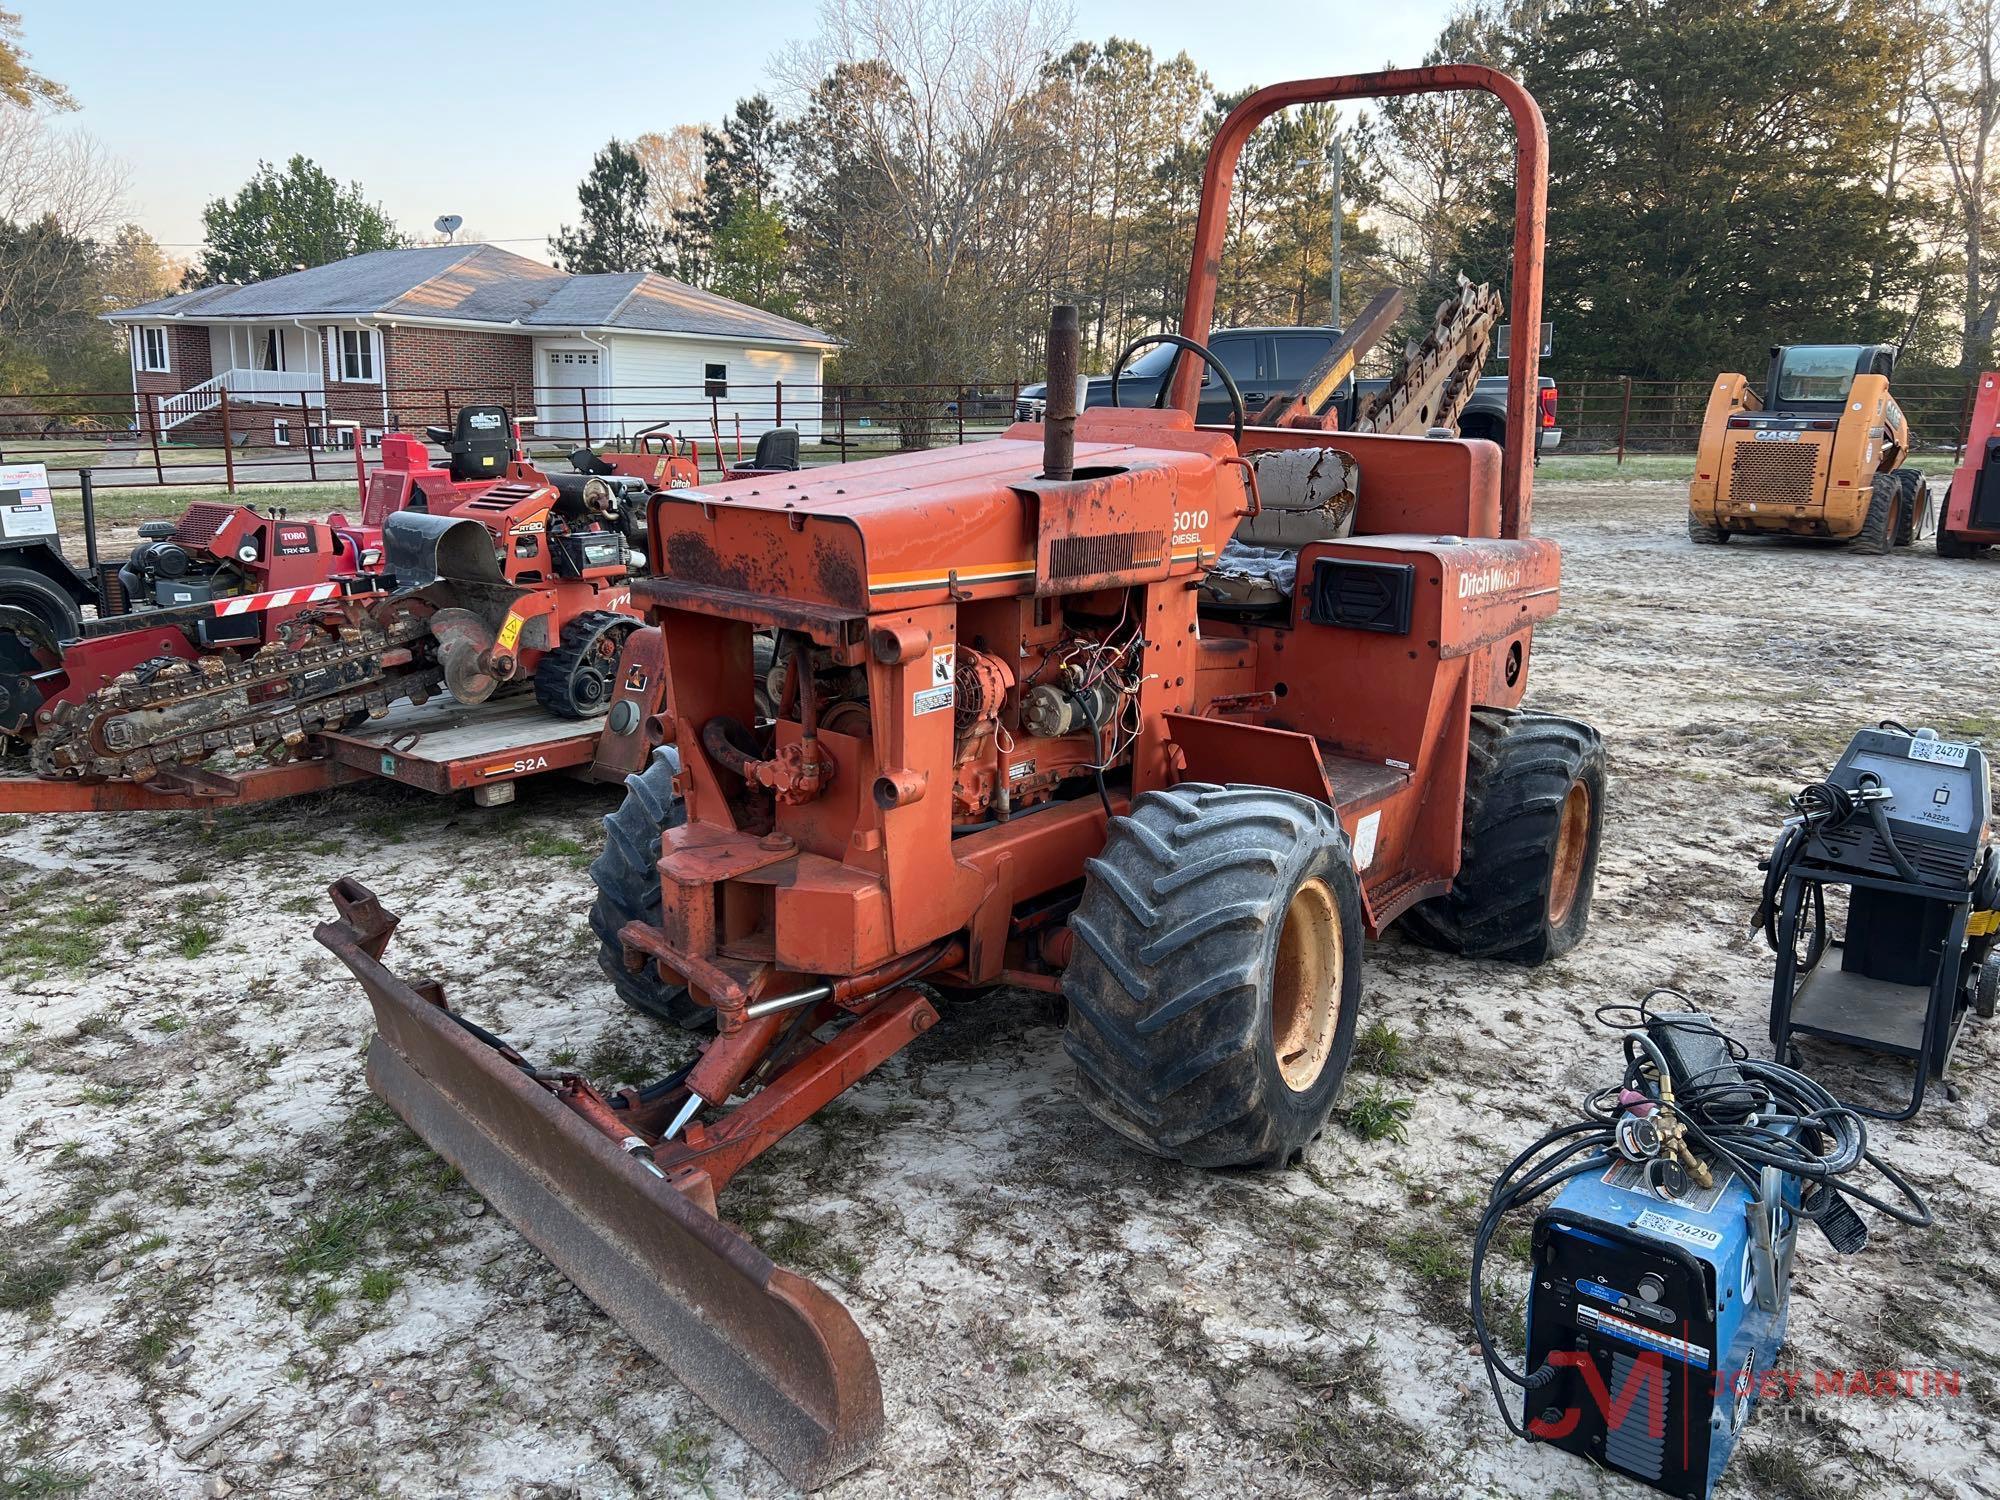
{"x": 1572, "y": 843}
{"x": 1306, "y": 987}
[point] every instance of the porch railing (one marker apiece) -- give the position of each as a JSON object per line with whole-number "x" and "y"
{"x": 258, "y": 387}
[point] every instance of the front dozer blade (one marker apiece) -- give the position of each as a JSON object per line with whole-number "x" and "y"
{"x": 775, "y": 1356}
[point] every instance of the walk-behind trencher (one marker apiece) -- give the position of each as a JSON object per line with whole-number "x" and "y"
{"x": 1017, "y": 742}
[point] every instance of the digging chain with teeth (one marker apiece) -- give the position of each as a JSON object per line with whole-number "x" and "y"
{"x": 1438, "y": 374}
{"x": 183, "y": 711}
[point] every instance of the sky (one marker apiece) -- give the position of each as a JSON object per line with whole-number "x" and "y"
{"x": 493, "y": 110}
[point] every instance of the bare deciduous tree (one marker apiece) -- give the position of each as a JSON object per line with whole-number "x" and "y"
{"x": 60, "y": 177}
{"x": 1956, "y": 73}
{"x": 674, "y": 163}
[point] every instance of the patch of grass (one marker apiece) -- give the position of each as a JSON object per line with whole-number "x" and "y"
{"x": 322, "y": 1302}
{"x": 1374, "y": 1116}
{"x": 1558, "y": 467}
{"x": 546, "y": 845}
{"x": 1367, "y": 1451}
{"x": 27, "y": 1286}
{"x": 150, "y": 1347}
{"x": 1783, "y": 1472}
{"x": 330, "y": 1243}
{"x": 378, "y": 1284}
{"x": 168, "y": 1025}
{"x": 684, "y": 1458}
{"x": 12, "y": 822}
{"x": 192, "y": 939}
{"x": 1382, "y": 1049}
{"x": 32, "y": 1481}
{"x": 795, "y": 1242}
{"x": 64, "y": 939}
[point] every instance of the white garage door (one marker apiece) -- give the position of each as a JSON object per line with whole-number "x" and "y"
{"x": 569, "y": 400}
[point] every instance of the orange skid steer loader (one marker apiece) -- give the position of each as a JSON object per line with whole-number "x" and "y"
{"x": 1015, "y": 740}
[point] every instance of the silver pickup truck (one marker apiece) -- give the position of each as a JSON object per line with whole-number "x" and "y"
{"x": 1267, "y": 361}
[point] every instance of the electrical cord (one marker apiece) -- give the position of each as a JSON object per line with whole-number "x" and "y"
{"x": 1764, "y": 1114}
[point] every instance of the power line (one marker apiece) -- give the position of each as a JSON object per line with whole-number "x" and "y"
{"x": 517, "y": 239}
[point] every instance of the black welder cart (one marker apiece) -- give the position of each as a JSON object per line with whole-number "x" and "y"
{"x": 1903, "y": 822}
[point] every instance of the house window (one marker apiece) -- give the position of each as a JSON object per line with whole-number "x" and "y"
{"x": 281, "y": 433}
{"x": 153, "y": 353}
{"x": 357, "y": 354}
{"x": 372, "y": 436}
{"x": 271, "y": 351}
{"x": 341, "y": 436}
{"x": 715, "y": 380}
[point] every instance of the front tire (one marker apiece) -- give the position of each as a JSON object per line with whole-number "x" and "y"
{"x": 1534, "y": 816}
{"x": 1912, "y": 506}
{"x": 1878, "y": 527}
{"x": 1704, "y": 535}
{"x": 1217, "y": 974}
{"x": 25, "y": 589}
{"x": 628, "y": 888}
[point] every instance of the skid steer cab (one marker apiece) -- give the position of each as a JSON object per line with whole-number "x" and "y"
{"x": 1165, "y": 718}
{"x": 1821, "y": 455}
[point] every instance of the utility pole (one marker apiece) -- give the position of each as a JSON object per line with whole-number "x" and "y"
{"x": 1333, "y": 315}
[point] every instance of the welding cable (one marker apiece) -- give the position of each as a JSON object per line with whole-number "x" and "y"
{"x": 1797, "y": 1126}
{"x": 1586, "y": 1146}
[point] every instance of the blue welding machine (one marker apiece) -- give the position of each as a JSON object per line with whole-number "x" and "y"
{"x": 1657, "y": 1317}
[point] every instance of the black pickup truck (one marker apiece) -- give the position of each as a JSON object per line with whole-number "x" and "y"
{"x": 1267, "y": 361}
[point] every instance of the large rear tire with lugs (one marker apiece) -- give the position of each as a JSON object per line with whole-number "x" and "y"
{"x": 1216, "y": 974}
{"x": 1878, "y": 527}
{"x": 1534, "y": 815}
{"x": 627, "y": 877}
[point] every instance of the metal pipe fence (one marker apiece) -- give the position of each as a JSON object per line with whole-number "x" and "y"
{"x": 321, "y": 435}
{"x": 1617, "y": 414}
{"x": 232, "y": 440}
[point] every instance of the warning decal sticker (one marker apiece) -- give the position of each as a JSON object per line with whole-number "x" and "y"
{"x": 939, "y": 691}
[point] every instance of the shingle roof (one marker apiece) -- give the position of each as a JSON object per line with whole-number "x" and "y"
{"x": 641, "y": 301}
{"x": 483, "y": 284}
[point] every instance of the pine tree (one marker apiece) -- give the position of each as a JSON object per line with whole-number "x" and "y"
{"x": 617, "y": 233}
{"x": 1715, "y": 179}
{"x": 740, "y": 170}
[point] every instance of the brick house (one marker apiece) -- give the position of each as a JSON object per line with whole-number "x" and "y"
{"x": 396, "y": 339}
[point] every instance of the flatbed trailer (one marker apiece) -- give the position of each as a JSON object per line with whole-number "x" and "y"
{"x": 443, "y": 747}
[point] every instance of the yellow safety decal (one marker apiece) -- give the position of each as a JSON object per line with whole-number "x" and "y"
{"x": 1982, "y": 924}
{"x": 510, "y": 630}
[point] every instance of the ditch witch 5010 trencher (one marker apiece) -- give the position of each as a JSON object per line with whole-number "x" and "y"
{"x": 1016, "y": 741}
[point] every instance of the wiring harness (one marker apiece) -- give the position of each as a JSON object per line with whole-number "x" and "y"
{"x": 1692, "y": 1102}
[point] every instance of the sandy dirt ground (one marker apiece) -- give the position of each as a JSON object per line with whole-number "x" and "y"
{"x": 206, "y": 1220}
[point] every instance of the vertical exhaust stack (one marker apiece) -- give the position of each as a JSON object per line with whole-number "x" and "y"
{"x": 1059, "y": 414}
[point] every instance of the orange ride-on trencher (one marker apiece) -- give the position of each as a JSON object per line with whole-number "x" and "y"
{"x": 1167, "y": 718}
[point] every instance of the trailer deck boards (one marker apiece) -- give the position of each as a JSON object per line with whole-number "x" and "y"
{"x": 443, "y": 746}
{"x": 447, "y": 746}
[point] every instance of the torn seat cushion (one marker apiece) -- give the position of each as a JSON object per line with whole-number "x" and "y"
{"x": 1305, "y": 495}
{"x": 1250, "y": 577}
